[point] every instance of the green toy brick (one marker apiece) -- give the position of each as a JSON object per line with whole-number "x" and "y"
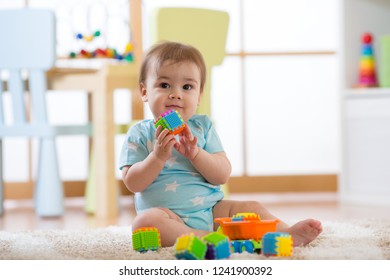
{"x": 147, "y": 238}
{"x": 218, "y": 245}
{"x": 190, "y": 247}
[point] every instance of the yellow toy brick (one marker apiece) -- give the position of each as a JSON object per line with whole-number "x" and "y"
{"x": 190, "y": 247}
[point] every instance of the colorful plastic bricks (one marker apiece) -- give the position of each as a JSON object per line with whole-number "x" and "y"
{"x": 277, "y": 244}
{"x": 218, "y": 246}
{"x": 147, "y": 238}
{"x": 246, "y": 226}
{"x": 211, "y": 247}
{"x": 239, "y": 246}
{"x": 190, "y": 247}
{"x": 170, "y": 120}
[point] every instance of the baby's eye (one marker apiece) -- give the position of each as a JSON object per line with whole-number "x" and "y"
{"x": 187, "y": 87}
{"x": 164, "y": 85}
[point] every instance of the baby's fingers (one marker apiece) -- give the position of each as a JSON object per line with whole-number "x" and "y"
{"x": 158, "y": 131}
{"x": 194, "y": 141}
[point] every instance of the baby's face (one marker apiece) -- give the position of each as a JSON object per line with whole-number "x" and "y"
{"x": 174, "y": 86}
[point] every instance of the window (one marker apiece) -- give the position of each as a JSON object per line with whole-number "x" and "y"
{"x": 282, "y": 89}
{"x": 279, "y": 82}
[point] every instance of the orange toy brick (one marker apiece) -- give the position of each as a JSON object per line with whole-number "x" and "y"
{"x": 237, "y": 228}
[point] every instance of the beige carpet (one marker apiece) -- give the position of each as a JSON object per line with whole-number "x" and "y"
{"x": 358, "y": 240}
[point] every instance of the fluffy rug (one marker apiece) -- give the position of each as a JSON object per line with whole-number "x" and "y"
{"x": 357, "y": 240}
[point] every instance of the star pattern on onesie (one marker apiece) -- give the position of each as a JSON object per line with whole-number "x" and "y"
{"x": 170, "y": 162}
{"x": 198, "y": 201}
{"x": 172, "y": 186}
{"x": 149, "y": 146}
{"x": 132, "y": 146}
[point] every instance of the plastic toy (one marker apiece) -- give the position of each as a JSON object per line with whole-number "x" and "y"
{"x": 146, "y": 238}
{"x": 242, "y": 227}
{"x": 249, "y": 233}
{"x": 244, "y": 232}
{"x": 277, "y": 244}
{"x": 172, "y": 121}
{"x": 250, "y": 246}
{"x": 190, "y": 247}
{"x": 367, "y": 73}
{"x": 88, "y": 38}
{"x": 218, "y": 246}
{"x": 106, "y": 53}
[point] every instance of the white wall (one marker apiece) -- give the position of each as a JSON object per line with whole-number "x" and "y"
{"x": 285, "y": 108}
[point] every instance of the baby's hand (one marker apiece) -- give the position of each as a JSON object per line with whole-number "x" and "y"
{"x": 187, "y": 144}
{"x": 164, "y": 143}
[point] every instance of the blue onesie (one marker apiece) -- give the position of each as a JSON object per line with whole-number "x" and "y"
{"x": 179, "y": 187}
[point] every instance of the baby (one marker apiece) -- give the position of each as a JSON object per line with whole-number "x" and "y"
{"x": 176, "y": 179}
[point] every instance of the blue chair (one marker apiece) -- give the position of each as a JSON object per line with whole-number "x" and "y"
{"x": 28, "y": 42}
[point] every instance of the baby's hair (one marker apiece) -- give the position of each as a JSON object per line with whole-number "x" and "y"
{"x": 175, "y": 52}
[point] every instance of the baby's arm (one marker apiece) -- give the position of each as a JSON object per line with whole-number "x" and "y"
{"x": 140, "y": 175}
{"x": 215, "y": 168}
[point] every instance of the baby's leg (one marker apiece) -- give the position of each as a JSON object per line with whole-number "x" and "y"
{"x": 168, "y": 223}
{"x": 302, "y": 232}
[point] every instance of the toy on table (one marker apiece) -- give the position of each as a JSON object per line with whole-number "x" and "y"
{"x": 172, "y": 121}
{"x": 146, "y": 238}
{"x": 367, "y": 73}
{"x": 88, "y": 38}
{"x": 127, "y": 55}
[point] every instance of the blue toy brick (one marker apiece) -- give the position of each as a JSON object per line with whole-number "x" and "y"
{"x": 173, "y": 120}
{"x": 277, "y": 244}
{"x": 170, "y": 120}
{"x": 240, "y": 246}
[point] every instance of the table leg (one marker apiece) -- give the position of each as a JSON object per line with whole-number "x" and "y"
{"x": 103, "y": 139}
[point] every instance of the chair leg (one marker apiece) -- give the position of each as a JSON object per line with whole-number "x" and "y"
{"x": 90, "y": 188}
{"x": 49, "y": 193}
{"x": 90, "y": 191}
{"x": 1, "y": 180}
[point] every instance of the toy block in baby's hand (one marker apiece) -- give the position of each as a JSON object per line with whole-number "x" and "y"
{"x": 170, "y": 120}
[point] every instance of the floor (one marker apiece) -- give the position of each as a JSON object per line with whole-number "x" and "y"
{"x": 19, "y": 215}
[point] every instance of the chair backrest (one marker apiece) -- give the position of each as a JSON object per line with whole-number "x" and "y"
{"x": 203, "y": 28}
{"x": 27, "y": 47}
{"x": 27, "y": 50}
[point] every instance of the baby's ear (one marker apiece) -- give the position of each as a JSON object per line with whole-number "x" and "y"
{"x": 143, "y": 91}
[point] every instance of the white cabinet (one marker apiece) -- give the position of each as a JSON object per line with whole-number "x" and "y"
{"x": 365, "y": 175}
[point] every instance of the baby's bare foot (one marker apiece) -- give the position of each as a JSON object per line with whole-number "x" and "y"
{"x": 305, "y": 231}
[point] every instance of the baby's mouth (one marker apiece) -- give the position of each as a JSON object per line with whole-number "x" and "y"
{"x": 174, "y": 107}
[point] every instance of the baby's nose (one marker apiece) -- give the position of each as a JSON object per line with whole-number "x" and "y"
{"x": 175, "y": 94}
